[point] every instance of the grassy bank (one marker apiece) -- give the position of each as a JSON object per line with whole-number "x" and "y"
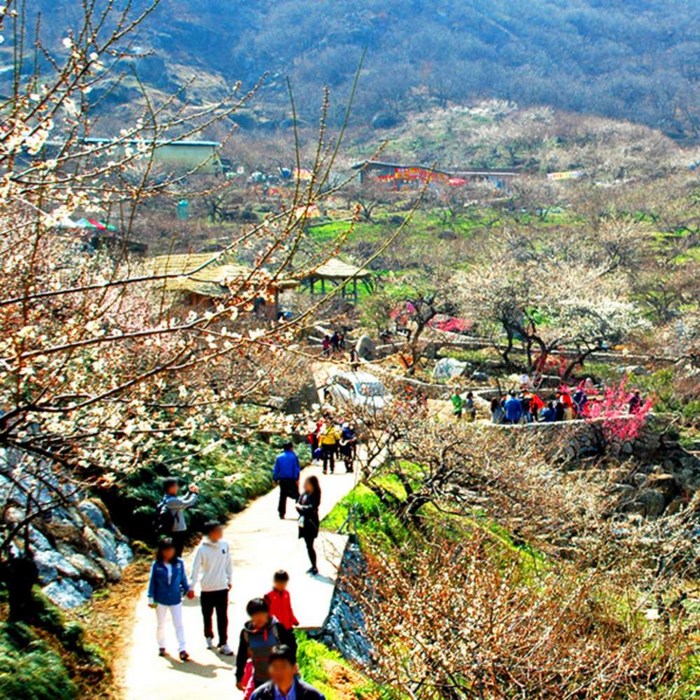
{"x": 50, "y": 657}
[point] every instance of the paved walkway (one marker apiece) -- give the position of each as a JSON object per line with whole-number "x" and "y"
{"x": 260, "y": 543}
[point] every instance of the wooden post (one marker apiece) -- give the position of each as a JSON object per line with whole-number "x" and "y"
{"x": 354, "y": 290}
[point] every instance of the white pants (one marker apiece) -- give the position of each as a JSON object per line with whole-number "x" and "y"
{"x": 176, "y": 614}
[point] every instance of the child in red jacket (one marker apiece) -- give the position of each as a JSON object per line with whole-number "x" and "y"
{"x": 280, "y": 602}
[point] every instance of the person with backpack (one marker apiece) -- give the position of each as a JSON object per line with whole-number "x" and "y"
{"x": 284, "y": 681}
{"x": 258, "y": 637}
{"x": 213, "y": 564}
{"x": 170, "y": 513}
{"x": 286, "y": 474}
{"x": 166, "y": 586}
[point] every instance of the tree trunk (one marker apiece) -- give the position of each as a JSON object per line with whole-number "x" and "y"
{"x": 21, "y": 575}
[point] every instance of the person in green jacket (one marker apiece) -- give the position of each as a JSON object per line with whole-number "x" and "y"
{"x": 457, "y": 405}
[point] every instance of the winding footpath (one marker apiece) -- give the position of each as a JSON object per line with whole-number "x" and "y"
{"x": 260, "y": 544}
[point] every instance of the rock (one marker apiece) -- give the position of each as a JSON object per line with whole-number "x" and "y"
{"x": 65, "y": 594}
{"x": 480, "y": 376}
{"x": 14, "y": 515}
{"x": 38, "y": 540}
{"x": 448, "y": 368}
{"x": 47, "y": 572}
{"x": 112, "y": 570}
{"x": 633, "y": 370}
{"x": 84, "y": 587}
{"x": 124, "y": 554}
{"x": 88, "y": 569}
{"x": 51, "y": 564}
{"x": 93, "y": 513}
{"x": 653, "y": 502}
{"x": 365, "y": 348}
{"x": 666, "y": 484}
{"x": 105, "y": 543}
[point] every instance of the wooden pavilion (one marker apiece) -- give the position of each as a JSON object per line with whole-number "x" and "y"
{"x": 337, "y": 273}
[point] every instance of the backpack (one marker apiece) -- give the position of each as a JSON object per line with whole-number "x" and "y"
{"x": 164, "y": 519}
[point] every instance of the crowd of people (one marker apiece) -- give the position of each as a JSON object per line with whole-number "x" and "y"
{"x": 333, "y": 344}
{"x": 332, "y": 439}
{"x": 266, "y": 665}
{"x": 527, "y": 406}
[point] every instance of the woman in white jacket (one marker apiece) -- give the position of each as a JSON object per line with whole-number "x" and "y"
{"x": 212, "y": 569}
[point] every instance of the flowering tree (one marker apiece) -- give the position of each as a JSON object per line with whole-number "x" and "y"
{"x": 621, "y": 414}
{"x": 100, "y": 362}
{"x": 515, "y": 578}
{"x": 548, "y": 303}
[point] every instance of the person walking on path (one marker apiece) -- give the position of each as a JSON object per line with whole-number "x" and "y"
{"x": 286, "y": 474}
{"x": 258, "y": 637}
{"x": 348, "y": 446}
{"x": 328, "y": 437}
{"x": 212, "y": 569}
{"x": 280, "y": 603}
{"x": 284, "y": 681}
{"x": 513, "y": 409}
{"x": 171, "y": 512}
{"x": 309, "y": 522}
{"x": 166, "y": 586}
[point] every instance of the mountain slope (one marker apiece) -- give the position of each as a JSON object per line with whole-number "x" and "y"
{"x": 632, "y": 59}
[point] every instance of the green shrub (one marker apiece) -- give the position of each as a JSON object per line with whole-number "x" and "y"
{"x": 29, "y": 669}
{"x": 316, "y": 659}
{"x": 228, "y": 477}
{"x": 367, "y": 514}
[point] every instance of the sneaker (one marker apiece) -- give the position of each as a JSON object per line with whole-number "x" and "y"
{"x": 161, "y": 651}
{"x": 210, "y": 642}
{"x": 184, "y": 656}
{"x": 226, "y": 650}
{"x": 314, "y": 571}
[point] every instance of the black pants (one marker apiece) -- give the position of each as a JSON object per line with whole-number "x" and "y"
{"x": 328, "y": 457}
{"x": 288, "y": 489}
{"x": 211, "y": 601}
{"x": 309, "y": 540}
{"x": 178, "y": 539}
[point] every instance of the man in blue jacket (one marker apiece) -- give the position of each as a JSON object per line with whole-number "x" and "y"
{"x": 286, "y": 474}
{"x": 514, "y": 409}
